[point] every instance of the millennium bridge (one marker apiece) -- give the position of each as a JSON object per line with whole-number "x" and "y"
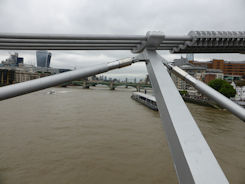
{"x": 192, "y": 157}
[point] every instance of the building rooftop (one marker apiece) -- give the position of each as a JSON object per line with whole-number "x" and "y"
{"x": 192, "y": 67}
{"x": 210, "y": 70}
{"x": 235, "y": 62}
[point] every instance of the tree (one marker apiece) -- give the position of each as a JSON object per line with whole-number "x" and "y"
{"x": 183, "y": 93}
{"x": 223, "y": 87}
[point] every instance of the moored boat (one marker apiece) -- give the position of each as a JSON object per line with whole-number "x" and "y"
{"x": 145, "y": 99}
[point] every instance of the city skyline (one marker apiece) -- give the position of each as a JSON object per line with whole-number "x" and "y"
{"x": 132, "y": 72}
{"x": 109, "y": 17}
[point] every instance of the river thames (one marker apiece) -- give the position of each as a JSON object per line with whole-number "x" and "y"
{"x": 101, "y": 136}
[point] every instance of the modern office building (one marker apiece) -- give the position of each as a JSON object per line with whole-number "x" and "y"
{"x": 14, "y": 60}
{"x": 43, "y": 58}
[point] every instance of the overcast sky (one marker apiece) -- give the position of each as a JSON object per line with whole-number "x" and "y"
{"x": 173, "y": 17}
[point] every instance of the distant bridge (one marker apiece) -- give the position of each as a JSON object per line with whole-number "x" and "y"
{"x": 112, "y": 85}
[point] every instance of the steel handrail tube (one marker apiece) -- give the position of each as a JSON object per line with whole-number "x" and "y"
{"x": 193, "y": 159}
{"x": 210, "y": 92}
{"x": 164, "y": 48}
{"x": 173, "y": 42}
{"x": 10, "y": 40}
{"x": 73, "y": 36}
{"x": 169, "y": 44}
{"x": 178, "y": 38}
{"x": 78, "y": 48}
{"x": 64, "y": 45}
{"x": 66, "y": 48}
{"x": 54, "y": 80}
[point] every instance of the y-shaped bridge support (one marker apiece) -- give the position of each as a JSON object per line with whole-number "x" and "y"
{"x": 194, "y": 161}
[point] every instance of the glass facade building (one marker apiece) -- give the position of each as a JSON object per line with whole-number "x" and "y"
{"x": 43, "y": 58}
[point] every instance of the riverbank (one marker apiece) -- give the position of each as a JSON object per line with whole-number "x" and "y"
{"x": 200, "y": 101}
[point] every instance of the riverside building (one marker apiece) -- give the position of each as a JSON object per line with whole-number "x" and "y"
{"x": 236, "y": 69}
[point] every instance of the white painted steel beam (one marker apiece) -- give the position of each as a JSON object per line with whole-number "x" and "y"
{"x": 193, "y": 160}
{"x": 60, "y": 41}
{"x": 66, "y": 48}
{"x": 14, "y": 90}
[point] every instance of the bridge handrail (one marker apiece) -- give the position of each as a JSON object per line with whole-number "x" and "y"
{"x": 194, "y": 42}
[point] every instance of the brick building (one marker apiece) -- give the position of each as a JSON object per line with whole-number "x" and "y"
{"x": 211, "y": 74}
{"x": 228, "y": 68}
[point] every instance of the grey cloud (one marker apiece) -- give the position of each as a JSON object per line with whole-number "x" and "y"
{"x": 118, "y": 17}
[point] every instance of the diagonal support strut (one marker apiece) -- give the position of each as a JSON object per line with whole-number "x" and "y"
{"x": 193, "y": 160}
{"x": 54, "y": 80}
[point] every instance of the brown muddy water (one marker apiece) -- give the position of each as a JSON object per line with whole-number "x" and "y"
{"x": 100, "y": 136}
